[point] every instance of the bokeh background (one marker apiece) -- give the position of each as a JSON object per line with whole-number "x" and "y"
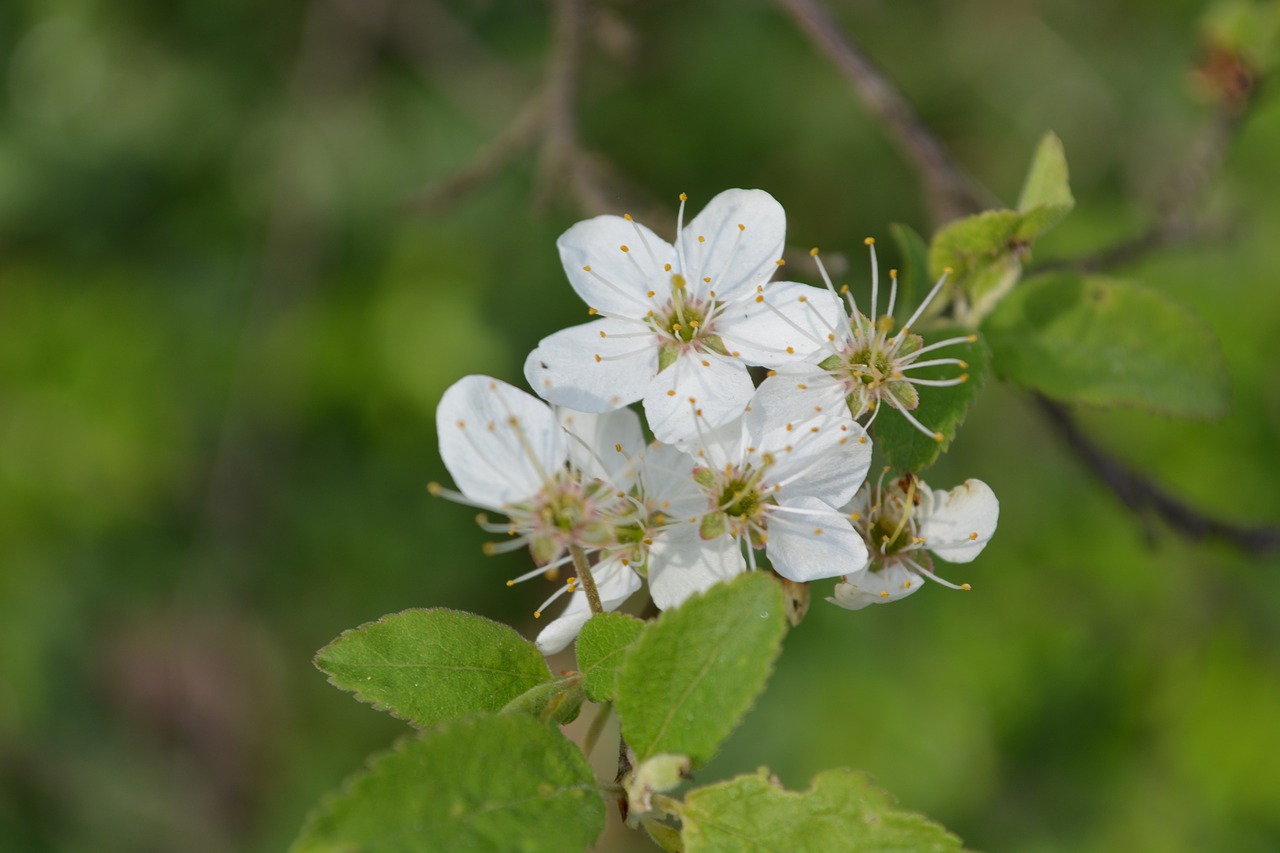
{"x": 229, "y": 301}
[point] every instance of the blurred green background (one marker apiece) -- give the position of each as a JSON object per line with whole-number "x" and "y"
{"x": 223, "y": 332}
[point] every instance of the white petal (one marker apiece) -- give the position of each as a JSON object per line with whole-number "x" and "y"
{"x": 891, "y": 583}
{"x": 700, "y": 390}
{"x": 579, "y": 368}
{"x": 963, "y": 520}
{"x": 802, "y": 423}
{"x": 682, "y": 563}
{"x": 607, "y": 447}
{"x": 791, "y": 322}
{"x": 614, "y": 582}
{"x": 668, "y": 484}
{"x": 618, "y": 281}
{"x": 500, "y": 444}
{"x": 736, "y": 259}
{"x": 820, "y": 543}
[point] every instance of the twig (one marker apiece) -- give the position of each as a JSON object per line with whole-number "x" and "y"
{"x": 512, "y": 141}
{"x": 1144, "y": 497}
{"x": 949, "y": 191}
{"x": 586, "y": 579}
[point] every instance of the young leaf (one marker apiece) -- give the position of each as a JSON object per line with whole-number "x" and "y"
{"x": 1103, "y": 342}
{"x": 426, "y": 666}
{"x": 841, "y": 811}
{"x": 941, "y": 409}
{"x": 601, "y": 646}
{"x": 1047, "y": 184}
{"x": 488, "y": 784}
{"x": 913, "y": 278}
{"x": 686, "y": 682}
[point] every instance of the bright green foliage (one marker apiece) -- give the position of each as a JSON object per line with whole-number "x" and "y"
{"x": 985, "y": 252}
{"x": 426, "y": 666}
{"x": 1099, "y": 341}
{"x": 841, "y": 811}
{"x": 601, "y": 646}
{"x": 941, "y": 409}
{"x": 693, "y": 673}
{"x": 487, "y": 783}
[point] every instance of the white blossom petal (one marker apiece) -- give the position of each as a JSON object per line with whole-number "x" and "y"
{"x": 667, "y": 474}
{"x": 790, "y": 322}
{"x": 890, "y": 583}
{"x": 595, "y": 367}
{"x": 618, "y": 281}
{"x": 698, "y": 390}
{"x": 500, "y": 444}
{"x": 962, "y": 521}
{"x": 820, "y": 543}
{"x": 817, "y": 448}
{"x": 736, "y": 259}
{"x": 606, "y": 446}
{"x": 615, "y": 583}
{"x": 682, "y": 563}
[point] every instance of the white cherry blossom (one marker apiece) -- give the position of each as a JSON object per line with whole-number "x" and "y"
{"x": 861, "y": 360}
{"x": 679, "y": 323}
{"x": 902, "y": 524}
{"x": 771, "y": 479}
{"x": 564, "y": 481}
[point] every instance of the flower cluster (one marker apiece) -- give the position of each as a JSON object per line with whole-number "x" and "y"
{"x": 738, "y": 473}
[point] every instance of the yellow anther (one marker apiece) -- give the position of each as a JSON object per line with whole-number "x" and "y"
{"x": 701, "y": 239}
{"x": 671, "y": 393}
{"x": 587, "y": 268}
{"x": 854, "y": 516}
{"x": 511, "y": 583}
{"x": 741, "y": 227}
{"x": 884, "y": 594}
{"x": 598, "y": 358}
{"x": 706, "y": 279}
{"x": 964, "y": 377}
{"x": 624, "y": 248}
{"x": 972, "y": 339}
{"x": 817, "y": 531}
{"x": 964, "y": 364}
{"x": 780, "y": 262}
{"x": 434, "y": 489}
{"x": 973, "y": 536}
{"x": 666, "y": 267}
{"x": 693, "y": 324}
{"x": 813, "y": 253}
{"x": 759, "y": 299}
{"x": 870, "y": 241}
{"x": 706, "y": 363}
{"x": 537, "y": 614}
{"x": 937, "y": 436}
{"x": 893, "y": 273}
{"x": 626, "y": 216}
{"x": 965, "y": 587}
{"x": 683, "y": 197}
{"x": 791, "y": 350}
{"x": 947, "y": 270}
{"x": 591, "y": 312}
{"x": 603, "y": 334}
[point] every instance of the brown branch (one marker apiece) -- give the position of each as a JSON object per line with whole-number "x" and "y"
{"x": 1145, "y": 498}
{"x": 949, "y": 191}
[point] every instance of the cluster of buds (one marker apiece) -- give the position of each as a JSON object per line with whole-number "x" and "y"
{"x": 734, "y": 469}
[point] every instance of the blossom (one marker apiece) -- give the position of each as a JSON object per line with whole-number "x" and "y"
{"x": 860, "y": 361}
{"x": 902, "y": 524}
{"x": 679, "y": 323}
{"x": 771, "y": 479}
{"x": 563, "y": 482}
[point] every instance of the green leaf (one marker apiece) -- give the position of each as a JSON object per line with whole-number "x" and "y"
{"x": 487, "y": 784}
{"x": 426, "y": 666}
{"x": 553, "y": 702}
{"x": 841, "y": 811}
{"x": 691, "y": 676}
{"x": 913, "y": 278}
{"x": 601, "y": 646}
{"x": 972, "y": 243}
{"x": 1047, "y": 184}
{"x": 941, "y": 409}
{"x": 1104, "y": 342}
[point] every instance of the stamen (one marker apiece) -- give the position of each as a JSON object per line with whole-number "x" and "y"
{"x": 925, "y": 304}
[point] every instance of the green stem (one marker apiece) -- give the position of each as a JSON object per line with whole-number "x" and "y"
{"x": 596, "y": 728}
{"x": 584, "y": 575}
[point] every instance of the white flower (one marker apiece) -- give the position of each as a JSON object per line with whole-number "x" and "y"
{"x": 564, "y": 484}
{"x": 679, "y": 323}
{"x": 861, "y": 362}
{"x": 905, "y": 521}
{"x": 771, "y": 480}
